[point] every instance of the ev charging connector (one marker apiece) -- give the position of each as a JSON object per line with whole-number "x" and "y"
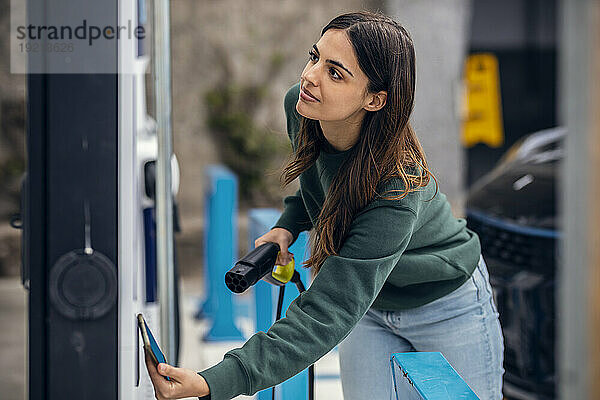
{"x": 260, "y": 264}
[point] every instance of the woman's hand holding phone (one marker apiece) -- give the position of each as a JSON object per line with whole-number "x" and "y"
{"x": 187, "y": 383}
{"x": 283, "y": 238}
{"x": 184, "y": 382}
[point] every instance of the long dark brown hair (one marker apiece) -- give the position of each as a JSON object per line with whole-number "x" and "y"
{"x": 387, "y": 146}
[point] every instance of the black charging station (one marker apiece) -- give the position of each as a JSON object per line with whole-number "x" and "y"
{"x": 70, "y": 229}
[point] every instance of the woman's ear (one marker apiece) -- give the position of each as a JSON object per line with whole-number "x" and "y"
{"x": 376, "y": 101}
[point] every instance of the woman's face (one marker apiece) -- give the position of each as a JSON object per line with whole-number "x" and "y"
{"x": 333, "y": 77}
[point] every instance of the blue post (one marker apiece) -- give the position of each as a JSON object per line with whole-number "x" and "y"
{"x": 427, "y": 376}
{"x": 259, "y": 222}
{"x": 150, "y": 251}
{"x": 220, "y": 244}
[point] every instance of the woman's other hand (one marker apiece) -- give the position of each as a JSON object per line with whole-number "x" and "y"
{"x": 184, "y": 382}
{"x": 283, "y": 238}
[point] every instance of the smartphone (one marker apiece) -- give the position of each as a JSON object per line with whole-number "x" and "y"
{"x": 150, "y": 344}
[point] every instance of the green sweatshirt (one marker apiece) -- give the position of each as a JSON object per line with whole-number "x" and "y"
{"x": 398, "y": 254}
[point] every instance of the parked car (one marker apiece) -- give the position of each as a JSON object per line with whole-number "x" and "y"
{"x": 513, "y": 209}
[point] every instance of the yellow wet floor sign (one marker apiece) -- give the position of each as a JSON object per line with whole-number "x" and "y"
{"x": 482, "y": 109}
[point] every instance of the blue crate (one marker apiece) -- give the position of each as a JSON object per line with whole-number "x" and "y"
{"x": 427, "y": 376}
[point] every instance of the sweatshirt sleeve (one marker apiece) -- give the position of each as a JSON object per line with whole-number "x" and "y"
{"x": 321, "y": 317}
{"x": 294, "y": 217}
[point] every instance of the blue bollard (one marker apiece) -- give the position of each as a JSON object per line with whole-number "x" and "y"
{"x": 427, "y": 376}
{"x": 260, "y": 221}
{"x": 220, "y": 244}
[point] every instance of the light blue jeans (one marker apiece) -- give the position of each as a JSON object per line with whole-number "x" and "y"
{"x": 462, "y": 325}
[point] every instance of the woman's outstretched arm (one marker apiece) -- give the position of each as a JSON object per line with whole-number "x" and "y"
{"x": 320, "y": 318}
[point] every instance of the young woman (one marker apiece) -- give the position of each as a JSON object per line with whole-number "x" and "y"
{"x": 394, "y": 270}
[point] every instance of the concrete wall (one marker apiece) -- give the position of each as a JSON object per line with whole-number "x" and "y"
{"x": 12, "y": 119}
{"x": 12, "y": 147}
{"x": 439, "y": 31}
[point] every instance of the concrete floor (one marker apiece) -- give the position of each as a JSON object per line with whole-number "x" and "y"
{"x": 195, "y": 354}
